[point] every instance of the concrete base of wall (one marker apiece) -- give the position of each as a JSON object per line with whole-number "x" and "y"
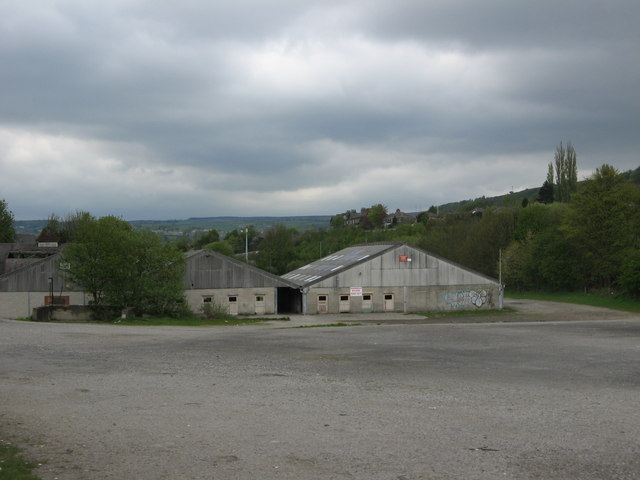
{"x": 75, "y": 313}
{"x": 21, "y": 304}
{"x": 405, "y": 299}
{"x": 55, "y": 313}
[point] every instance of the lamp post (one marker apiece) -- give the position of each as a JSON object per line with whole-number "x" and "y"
{"x": 50, "y": 290}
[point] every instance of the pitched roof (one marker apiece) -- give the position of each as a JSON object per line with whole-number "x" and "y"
{"x": 256, "y": 276}
{"x": 336, "y": 262}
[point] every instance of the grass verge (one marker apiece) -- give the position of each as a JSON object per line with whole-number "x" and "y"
{"x": 195, "y": 321}
{"x": 467, "y": 313}
{"x": 614, "y": 303}
{"x": 13, "y": 466}
{"x": 339, "y": 324}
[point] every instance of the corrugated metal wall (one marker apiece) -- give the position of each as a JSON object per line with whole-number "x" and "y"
{"x": 35, "y": 277}
{"x": 418, "y": 269}
{"x": 212, "y": 270}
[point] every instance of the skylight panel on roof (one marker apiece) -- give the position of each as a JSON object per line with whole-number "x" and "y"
{"x": 337, "y": 268}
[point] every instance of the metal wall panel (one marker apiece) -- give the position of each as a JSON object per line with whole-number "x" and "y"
{"x": 35, "y": 277}
{"x": 423, "y": 270}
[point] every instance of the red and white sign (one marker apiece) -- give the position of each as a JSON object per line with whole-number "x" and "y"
{"x": 403, "y": 258}
{"x": 355, "y": 291}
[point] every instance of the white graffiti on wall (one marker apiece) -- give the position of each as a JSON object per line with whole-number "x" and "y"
{"x": 465, "y": 298}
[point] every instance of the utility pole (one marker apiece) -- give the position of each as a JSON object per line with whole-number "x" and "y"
{"x": 246, "y": 244}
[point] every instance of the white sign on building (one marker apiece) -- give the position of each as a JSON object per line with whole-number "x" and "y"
{"x": 355, "y": 291}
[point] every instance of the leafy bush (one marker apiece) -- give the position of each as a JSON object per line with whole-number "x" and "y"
{"x": 629, "y": 279}
{"x": 214, "y": 310}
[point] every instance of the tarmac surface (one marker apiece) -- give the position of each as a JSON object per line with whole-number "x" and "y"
{"x": 549, "y": 392}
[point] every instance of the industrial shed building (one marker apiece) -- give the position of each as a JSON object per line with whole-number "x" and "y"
{"x": 391, "y": 277}
{"x": 34, "y": 285}
{"x": 210, "y": 277}
{"x": 237, "y": 286}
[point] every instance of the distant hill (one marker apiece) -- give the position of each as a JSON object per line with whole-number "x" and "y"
{"x": 508, "y": 200}
{"x": 221, "y": 224}
{"x": 515, "y": 198}
{"x": 227, "y": 224}
{"x": 171, "y": 228}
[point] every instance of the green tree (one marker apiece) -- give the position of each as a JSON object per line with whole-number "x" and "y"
{"x": 604, "y": 221}
{"x": 94, "y": 257}
{"x": 629, "y": 279}
{"x": 63, "y": 228}
{"x": 545, "y": 194}
{"x": 566, "y": 172}
{"x": 7, "y": 230}
{"x": 471, "y": 240}
{"x": 222, "y": 247}
{"x": 124, "y": 268}
{"x": 550, "y": 174}
{"x": 241, "y": 238}
{"x": 531, "y": 221}
{"x": 154, "y": 280}
{"x": 276, "y": 253}
{"x": 209, "y": 237}
{"x": 337, "y": 221}
{"x": 541, "y": 256}
{"x": 377, "y": 214}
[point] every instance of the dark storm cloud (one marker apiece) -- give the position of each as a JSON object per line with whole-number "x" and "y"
{"x": 306, "y": 107}
{"x": 503, "y": 25}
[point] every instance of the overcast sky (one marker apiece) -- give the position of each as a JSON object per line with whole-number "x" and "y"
{"x": 157, "y": 109}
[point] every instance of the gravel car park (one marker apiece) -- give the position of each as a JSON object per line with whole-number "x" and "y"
{"x": 550, "y": 391}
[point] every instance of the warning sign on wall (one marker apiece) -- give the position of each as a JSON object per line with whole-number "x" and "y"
{"x": 404, "y": 258}
{"x": 355, "y": 291}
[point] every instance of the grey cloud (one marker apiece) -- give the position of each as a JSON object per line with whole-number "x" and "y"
{"x": 161, "y": 87}
{"x": 506, "y": 25}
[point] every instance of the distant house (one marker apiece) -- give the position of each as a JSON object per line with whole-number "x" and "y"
{"x": 47, "y": 240}
{"x": 391, "y": 277}
{"x": 353, "y": 218}
{"x": 398, "y": 218}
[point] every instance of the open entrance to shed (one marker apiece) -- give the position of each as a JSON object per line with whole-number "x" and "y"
{"x": 289, "y": 300}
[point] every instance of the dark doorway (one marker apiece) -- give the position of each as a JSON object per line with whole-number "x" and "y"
{"x": 289, "y": 300}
